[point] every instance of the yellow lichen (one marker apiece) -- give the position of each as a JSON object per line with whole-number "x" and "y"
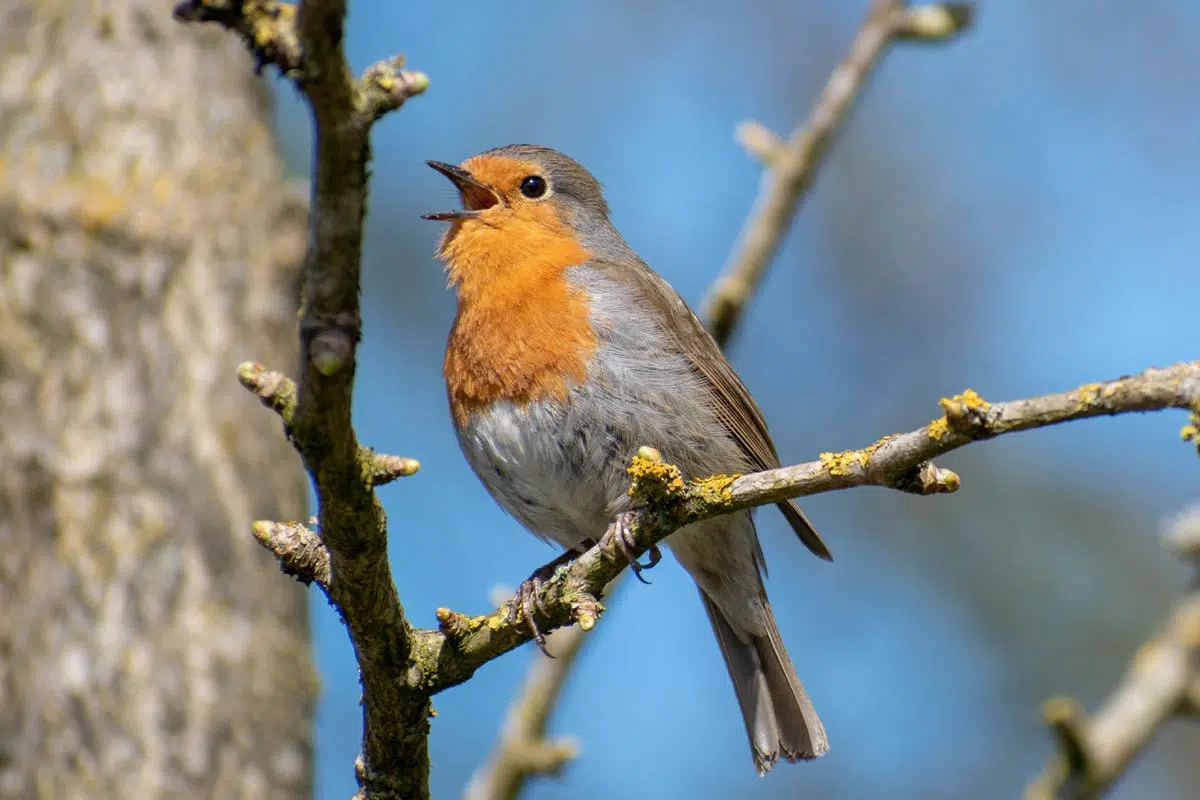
{"x": 968, "y": 399}
{"x": 648, "y": 473}
{"x": 842, "y": 463}
{"x": 263, "y": 33}
{"x": 715, "y": 489}
{"x": 939, "y": 429}
{"x": 869, "y": 451}
{"x": 1089, "y": 395}
{"x": 1191, "y": 431}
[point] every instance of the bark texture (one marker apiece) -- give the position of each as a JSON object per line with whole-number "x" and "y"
{"x": 148, "y": 646}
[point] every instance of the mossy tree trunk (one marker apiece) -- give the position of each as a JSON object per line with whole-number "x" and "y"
{"x": 148, "y": 647}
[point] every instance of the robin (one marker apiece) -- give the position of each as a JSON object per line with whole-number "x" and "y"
{"x": 568, "y": 353}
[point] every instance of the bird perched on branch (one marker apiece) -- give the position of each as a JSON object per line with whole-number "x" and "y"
{"x": 568, "y": 353}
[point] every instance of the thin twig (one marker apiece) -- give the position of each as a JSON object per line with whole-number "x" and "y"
{"x": 791, "y": 166}
{"x": 523, "y": 749}
{"x": 1161, "y": 683}
{"x": 902, "y": 461}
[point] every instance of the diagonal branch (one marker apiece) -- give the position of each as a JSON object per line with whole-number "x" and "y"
{"x": 1163, "y": 681}
{"x": 901, "y": 461}
{"x": 792, "y": 165}
{"x": 305, "y": 42}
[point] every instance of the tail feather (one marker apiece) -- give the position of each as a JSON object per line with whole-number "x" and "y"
{"x": 804, "y": 529}
{"x": 780, "y": 719}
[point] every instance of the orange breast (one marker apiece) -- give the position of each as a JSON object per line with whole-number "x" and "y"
{"x": 522, "y": 332}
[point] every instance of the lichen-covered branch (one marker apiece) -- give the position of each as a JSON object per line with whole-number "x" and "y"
{"x": 900, "y": 461}
{"x": 1163, "y": 681}
{"x": 305, "y": 42}
{"x": 792, "y": 165}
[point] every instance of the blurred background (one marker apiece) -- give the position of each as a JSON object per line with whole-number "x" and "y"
{"x": 1013, "y": 212}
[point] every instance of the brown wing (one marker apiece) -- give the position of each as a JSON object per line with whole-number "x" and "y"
{"x": 732, "y": 401}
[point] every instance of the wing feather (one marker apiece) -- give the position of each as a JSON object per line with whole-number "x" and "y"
{"x": 731, "y": 400}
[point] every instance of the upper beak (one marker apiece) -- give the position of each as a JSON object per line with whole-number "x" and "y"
{"x": 468, "y": 187}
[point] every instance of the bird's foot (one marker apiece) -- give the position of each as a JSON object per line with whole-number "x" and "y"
{"x": 620, "y": 537}
{"x": 529, "y": 596}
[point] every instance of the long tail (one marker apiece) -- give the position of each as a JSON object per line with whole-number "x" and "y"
{"x": 780, "y": 719}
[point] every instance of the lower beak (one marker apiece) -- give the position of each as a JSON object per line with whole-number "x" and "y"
{"x": 445, "y": 216}
{"x": 467, "y": 185}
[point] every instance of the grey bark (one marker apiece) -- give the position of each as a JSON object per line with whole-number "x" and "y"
{"x": 148, "y": 647}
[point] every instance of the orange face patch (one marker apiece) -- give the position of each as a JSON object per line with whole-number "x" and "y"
{"x": 522, "y": 332}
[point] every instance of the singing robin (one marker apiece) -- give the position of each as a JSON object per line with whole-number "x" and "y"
{"x": 567, "y": 353}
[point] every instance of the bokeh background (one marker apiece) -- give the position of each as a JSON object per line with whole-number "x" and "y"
{"x": 1014, "y": 212}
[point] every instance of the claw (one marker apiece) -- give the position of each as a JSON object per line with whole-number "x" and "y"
{"x": 622, "y": 536}
{"x": 529, "y": 596}
{"x": 653, "y": 556}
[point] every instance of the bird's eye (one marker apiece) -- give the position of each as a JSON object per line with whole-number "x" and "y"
{"x": 533, "y": 186}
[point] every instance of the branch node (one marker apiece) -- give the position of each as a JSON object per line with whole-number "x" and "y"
{"x": 939, "y": 480}
{"x": 927, "y": 478}
{"x": 384, "y": 87}
{"x": 933, "y": 22}
{"x": 382, "y": 469}
{"x": 331, "y": 350}
{"x": 547, "y": 757}
{"x": 760, "y": 142}
{"x": 276, "y": 391}
{"x": 586, "y": 610}
{"x": 267, "y": 27}
{"x": 457, "y": 626}
{"x": 301, "y": 553}
{"x": 1066, "y": 721}
{"x": 966, "y": 413}
{"x": 653, "y": 479}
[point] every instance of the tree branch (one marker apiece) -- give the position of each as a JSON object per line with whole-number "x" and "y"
{"x": 1162, "y": 682}
{"x": 305, "y": 42}
{"x": 901, "y": 461}
{"x": 791, "y": 166}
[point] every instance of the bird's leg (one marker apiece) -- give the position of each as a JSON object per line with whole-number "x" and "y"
{"x": 620, "y": 535}
{"x": 529, "y": 595}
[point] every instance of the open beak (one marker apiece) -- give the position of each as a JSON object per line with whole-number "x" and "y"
{"x": 475, "y": 195}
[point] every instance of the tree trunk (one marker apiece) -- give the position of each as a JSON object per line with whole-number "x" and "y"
{"x": 148, "y": 647}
